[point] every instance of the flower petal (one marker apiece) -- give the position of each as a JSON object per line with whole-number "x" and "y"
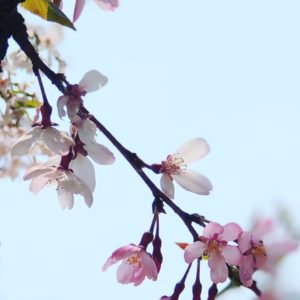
{"x": 99, "y": 153}
{"x": 108, "y": 4}
{"x": 79, "y": 5}
{"x": 232, "y": 254}
{"x": 193, "y": 150}
{"x": 59, "y": 142}
{"x": 66, "y": 198}
{"x": 84, "y": 169}
{"x": 231, "y": 232}
{"x": 149, "y": 266}
{"x": 92, "y": 81}
{"x": 167, "y": 185}
{"x": 246, "y": 269}
{"x": 245, "y": 241}
{"x": 194, "y": 182}
{"x": 61, "y": 102}
{"x": 125, "y": 273}
{"x": 218, "y": 268}
{"x": 193, "y": 251}
{"x": 39, "y": 182}
{"x": 125, "y": 251}
{"x": 212, "y": 229}
{"x": 23, "y": 144}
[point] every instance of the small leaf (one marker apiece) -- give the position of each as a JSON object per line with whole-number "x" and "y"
{"x": 48, "y": 11}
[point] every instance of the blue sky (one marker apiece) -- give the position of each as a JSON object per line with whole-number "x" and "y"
{"x": 227, "y": 71}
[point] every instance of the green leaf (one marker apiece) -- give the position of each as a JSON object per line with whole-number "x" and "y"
{"x": 48, "y": 11}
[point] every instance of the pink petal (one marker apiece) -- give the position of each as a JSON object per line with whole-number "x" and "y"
{"x": 149, "y": 266}
{"x": 212, "y": 229}
{"x": 99, "y": 153}
{"x": 167, "y": 186}
{"x": 193, "y": 182}
{"x": 193, "y": 150}
{"x": 92, "y": 81}
{"x": 246, "y": 269}
{"x": 232, "y": 254}
{"x": 139, "y": 276}
{"x": 218, "y": 268}
{"x": 79, "y": 5}
{"x": 278, "y": 250}
{"x": 108, "y": 4}
{"x": 262, "y": 228}
{"x": 245, "y": 241}
{"x": 125, "y": 273}
{"x": 193, "y": 251}
{"x": 125, "y": 251}
{"x": 87, "y": 195}
{"x": 110, "y": 261}
{"x": 231, "y": 232}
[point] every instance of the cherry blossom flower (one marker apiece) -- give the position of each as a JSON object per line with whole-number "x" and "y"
{"x": 91, "y": 81}
{"x": 66, "y": 182}
{"x": 214, "y": 245}
{"x": 175, "y": 168}
{"x": 136, "y": 264}
{"x": 57, "y": 141}
{"x": 260, "y": 255}
{"x": 109, "y": 5}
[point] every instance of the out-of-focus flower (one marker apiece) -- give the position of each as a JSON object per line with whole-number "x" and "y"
{"x": 57, "y": 141}
{"x": 109, "y": 5}
{"x": 136, "y": 265}
{"x": 175, "y": 168}
{"x": 66, "y": 182}
{"x": 214, "y": 245}
{"x": 260, "y": 255}
{"x": 91, "y": 81}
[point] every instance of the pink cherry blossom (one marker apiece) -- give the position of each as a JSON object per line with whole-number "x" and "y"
{"x": 136, "y": 264}
{"x": 175, "y": 168}
{"x": 91, "y": 81}
{"x": 260, "y": 255}
{"x": 214, "y": 245}
{"x": 109, "y": 5}
{"x": 66, "y": 182}
{"x": 57, "y": 141}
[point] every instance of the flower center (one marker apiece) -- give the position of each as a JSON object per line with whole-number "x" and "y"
{"x": 212, "y": 247}
{"x": 258, "y": 250}
{"x": 134, "y": 260}
{"x": 173, "y": 165}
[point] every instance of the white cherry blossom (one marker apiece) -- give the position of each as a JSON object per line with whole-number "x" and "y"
{"x": 66, "y": 182}
{"x": 175, "y": 168}
{"x": 57, "y": 141}
{"x": 91, "y": 81}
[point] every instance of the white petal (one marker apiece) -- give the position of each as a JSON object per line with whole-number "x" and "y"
{"x": 39, "y": 182}
{"x": 100, "y": 154}
{"x": 59, "y": 142}
{"x": 193, "y": 150}
{"x": 66, "y": 198}
{"x": 167, "y": 185}
{"x": 84, "y": 169}
{"x": 92, "y": 81}
{"x": 61, "y": 102}
{"x": 87, "y": 131}
{"x": 36, "y": 171}
{"x": 23, "y": 144}
{"x": 193, "y": 182}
